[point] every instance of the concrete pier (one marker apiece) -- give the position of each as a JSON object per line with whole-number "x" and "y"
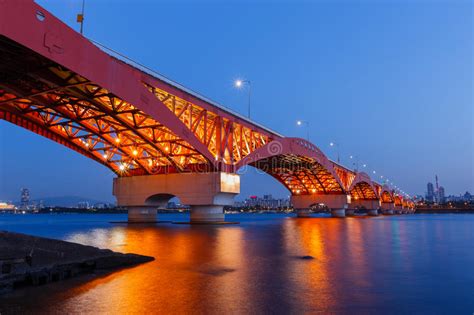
{"x": 338, "y": 213}
{"x": 350, "y": 212}
{"x": 205, "y": 193}
{"x": 373, "y": 212}
{"x": 209, "y": 213}
{"x": 142, "y": 215}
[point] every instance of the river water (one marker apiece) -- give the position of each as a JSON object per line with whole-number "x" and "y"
{"x": 422, "y": 264}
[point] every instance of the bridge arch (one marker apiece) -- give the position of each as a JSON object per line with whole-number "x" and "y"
{"x": 298, "y": 164}
{"x": 386, "y": 195}
{"x": 398, "y": 200}
{"x": 362, "y": 187}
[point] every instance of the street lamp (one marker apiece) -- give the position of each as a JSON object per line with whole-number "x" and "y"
{"x": 356, "y": 162}
{"x": 80, "y": 16}
{"x": 300, "y": 123}
{"x": 239, "y": 84}
{"x": 332, "y": 144}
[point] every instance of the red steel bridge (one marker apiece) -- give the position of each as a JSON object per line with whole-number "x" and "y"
{"x": 160, "y": 139}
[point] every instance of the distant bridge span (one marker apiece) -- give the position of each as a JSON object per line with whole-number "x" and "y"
{"x": 161, "y": 139}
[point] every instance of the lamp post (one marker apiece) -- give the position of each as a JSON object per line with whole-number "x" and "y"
{"x": 300, "y": 123}
{"x": 356, "y": 162}
{"x": 80, "y": 16}
{"x": 334, "y": 144}
{"x": 239, "y": 84}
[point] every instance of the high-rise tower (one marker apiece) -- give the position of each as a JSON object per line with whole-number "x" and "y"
{"x": 25, "y": 199}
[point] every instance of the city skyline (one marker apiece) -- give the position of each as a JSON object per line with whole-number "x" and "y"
{"x": 407, "y": 110}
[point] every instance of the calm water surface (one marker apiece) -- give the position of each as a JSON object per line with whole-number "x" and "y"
{"x": 399, "y": 264}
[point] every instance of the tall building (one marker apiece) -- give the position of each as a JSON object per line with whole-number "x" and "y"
{"x": 430, "y": 196}
{"x": 25, "y": 199}
{"x": 441, "y": 195}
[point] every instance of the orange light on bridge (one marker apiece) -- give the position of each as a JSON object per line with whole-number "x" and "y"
{"x": 135, "y": 152}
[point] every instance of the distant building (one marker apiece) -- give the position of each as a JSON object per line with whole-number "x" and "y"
{"x": 83, "y": 205}
{"x": 468, "y": 196}
{"x": 441, "y": 195}
{"x": 24, "y": 199}
{"x": 430, "y": 196}
{"x": 265, "y": 202}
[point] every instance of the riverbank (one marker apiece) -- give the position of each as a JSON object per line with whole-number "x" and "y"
{"x": 28, "y": 260}
{"x": 444, "y": 211}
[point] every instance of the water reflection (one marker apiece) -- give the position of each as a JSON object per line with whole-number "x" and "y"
{"x": 256, "y": 267}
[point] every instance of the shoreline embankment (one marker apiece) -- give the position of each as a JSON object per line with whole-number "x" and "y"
{"x": 27, "y": 260}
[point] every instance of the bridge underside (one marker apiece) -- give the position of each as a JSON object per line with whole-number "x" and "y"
{"x": 56, "y": 83}
{"x": 363, "y": 190}
{"x": 46, "y": 98}
{"x": 299, "y": 174}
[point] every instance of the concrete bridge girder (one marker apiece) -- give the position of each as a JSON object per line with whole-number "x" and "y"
{"x": 205, "y": 193}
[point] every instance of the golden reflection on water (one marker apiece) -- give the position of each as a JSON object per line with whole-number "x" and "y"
{"x": 237, "y": 269}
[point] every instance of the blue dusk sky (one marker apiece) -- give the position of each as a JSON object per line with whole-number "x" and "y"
{"x": 390, "y": 81}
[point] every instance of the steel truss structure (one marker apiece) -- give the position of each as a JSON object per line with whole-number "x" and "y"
{"x": 58, "y": 84}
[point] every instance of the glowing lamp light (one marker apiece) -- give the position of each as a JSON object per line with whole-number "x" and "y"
{"x": 122, "y": 167}
{"x": 135, "y": 152}
{"x": 314, "y": 190}
{"x": 331, "y": 144}
{"x": 105, "y": 155}
{"x": 365, "y": 165}
{"x": 374, "y": 172}
{"x": 238, "y": 83}
{"x": 299, "y": 122}
{"x": 298, "y": 191}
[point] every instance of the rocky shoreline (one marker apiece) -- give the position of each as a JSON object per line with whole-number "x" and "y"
{"x": 29, "y": 260}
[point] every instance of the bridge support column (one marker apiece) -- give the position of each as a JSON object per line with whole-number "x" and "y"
{"x": 338, "y": 213}
{"x": 373, "y": 212}
{"x": 205, "y": 193}
{"x": 142, "y": 214}
{"x": 367, "y": 204}
{"x": 350, "y": 212}
{"x": 209, "y": 213}
{"x": 387, "y": 208}
{"x": 398, "y": 210}
{"x": 303, "y": 213}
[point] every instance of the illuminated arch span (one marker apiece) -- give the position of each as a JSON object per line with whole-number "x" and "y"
{"x": 362, "y": 187}
{"x": 298, "y": 164}
{"x": 386, "y": 195}
{"x": 55, "y": 82}
{"x": 398, "y": 200}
